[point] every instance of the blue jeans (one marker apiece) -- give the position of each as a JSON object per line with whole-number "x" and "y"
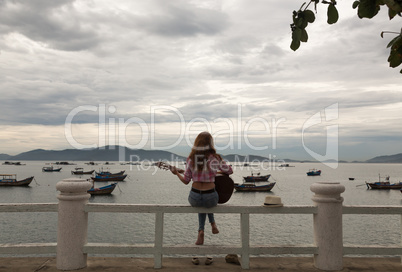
{"x": 205, "y": 201}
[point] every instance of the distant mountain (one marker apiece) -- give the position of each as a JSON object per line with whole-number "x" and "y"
{"x": 243, "y": 159}
{"x": 397, "y": 158}
{"x": 4, "y": 157}
{"x": 107, "y": 153}
{"x": 118, "y": 153}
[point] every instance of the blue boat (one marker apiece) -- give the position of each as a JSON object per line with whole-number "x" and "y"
{"x": 109, "y": 178}
{"x": 314, "y": 172}
{"x": 105, "y": 190}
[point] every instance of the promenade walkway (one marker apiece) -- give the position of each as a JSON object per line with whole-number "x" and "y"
{"x": 292, "y": 264}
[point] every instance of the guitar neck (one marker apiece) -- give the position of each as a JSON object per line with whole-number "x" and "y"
{"x": 166, "y": 166}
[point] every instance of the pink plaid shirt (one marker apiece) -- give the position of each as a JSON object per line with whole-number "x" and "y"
{"x": 208, "y": 175}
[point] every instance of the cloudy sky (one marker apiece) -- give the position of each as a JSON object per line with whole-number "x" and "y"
{"x": 152, "y": 74}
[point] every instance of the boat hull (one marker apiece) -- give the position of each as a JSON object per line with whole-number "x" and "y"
{"x": 82, "y": 172}
{"x": 254, "y": 188}
{"x": 24, "y": 182}
{"x": 256, "y": 178}
{"x": 109, "y": 178}
{"x": 379, "y": 186}
{"x": 51, "y": 170}
{"x": 105, "y": 190}
{"x": 108, "y": 174}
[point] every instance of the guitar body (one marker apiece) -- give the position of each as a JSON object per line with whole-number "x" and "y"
{"x": 224, "y": 186}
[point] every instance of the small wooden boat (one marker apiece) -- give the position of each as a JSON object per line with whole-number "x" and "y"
{"x": 254, "y": 188}
{"x": 109, "y": 178}
{"x": 105, "y": 190}
{"x": 384, "y": 185}
{"x": 11, "y": 180}
{"x": 256, "y": 178}
{"x": 80, "y": 171}
{"x": 286, "y": 165}
{"x": 313, "y": 172}
{"x": 107, "y": 173}
{"x": 50, "y": 169}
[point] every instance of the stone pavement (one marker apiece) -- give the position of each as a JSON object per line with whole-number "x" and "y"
{"x": 292, "y": 264}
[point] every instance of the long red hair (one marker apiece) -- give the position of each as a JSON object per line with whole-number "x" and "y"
{"x": 203, "y": 147}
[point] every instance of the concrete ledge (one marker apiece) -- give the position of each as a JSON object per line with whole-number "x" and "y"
{"x": 291, "y": 264}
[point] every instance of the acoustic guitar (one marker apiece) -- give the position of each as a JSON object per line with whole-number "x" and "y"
{"x": 224, "y": 185}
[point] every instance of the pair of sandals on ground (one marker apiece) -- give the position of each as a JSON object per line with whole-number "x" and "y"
{"x": 208, "y": 261}
{"x": 200, "y": 241}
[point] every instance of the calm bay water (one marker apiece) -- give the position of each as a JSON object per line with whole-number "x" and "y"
{"x": 147, "y": 185}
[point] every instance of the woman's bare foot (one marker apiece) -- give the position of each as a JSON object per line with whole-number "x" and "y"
{"x": 214, "y": 228}
{"x": 200, "y": 239}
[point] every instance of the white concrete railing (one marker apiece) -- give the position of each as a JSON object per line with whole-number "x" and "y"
{"x": 73, "y": 208}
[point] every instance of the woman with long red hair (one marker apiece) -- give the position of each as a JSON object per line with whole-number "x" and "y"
{"x": 202, "y": 165}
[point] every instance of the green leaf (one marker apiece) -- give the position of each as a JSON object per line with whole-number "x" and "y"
{"x": 333, "y": 15}
{"x": 397, "y": 39}
{"x": 309, "y": 16}
{"x": 298, "y": 21}
{"x": 304, "y": 24}
{"x": 304, "y": 36}
{"x": 368, "y": 9}
{"x": 391, "y": 13}
{"x": 394, "y": 7}
{"x": 295, "y": 45}
{"x": 296, "y": 35}
{"x": 394, "y": 59}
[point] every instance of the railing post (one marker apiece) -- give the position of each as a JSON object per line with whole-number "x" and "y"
{"x": 328, "y": 225}
{"x": 72, "y": 223}
{"x": 158, "y": 240}
{"x": 245, "y": 240}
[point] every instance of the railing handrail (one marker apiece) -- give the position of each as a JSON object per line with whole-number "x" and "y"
{"x": 178, "y": 208}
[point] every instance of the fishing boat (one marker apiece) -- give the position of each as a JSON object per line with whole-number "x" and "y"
{"x": 313, "y": 172}
{"x": 11, "y": 180}
{"x": 256, "y": 178}
{"x": 107, "y": 173}
{"x": 109, "y": 178}
{"x": 80, "y": 171}
{"x": 105, "y": 190}
{"x": 384, "y": 185}
{"x": 245, "y": 187}
{"x": 50, "y": 169}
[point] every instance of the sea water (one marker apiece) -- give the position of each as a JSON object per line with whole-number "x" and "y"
{"x": 146, "y": 184}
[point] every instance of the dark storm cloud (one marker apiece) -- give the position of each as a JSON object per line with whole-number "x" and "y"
{"x": 179, "y": 19}
{"x": 55, "y": 23}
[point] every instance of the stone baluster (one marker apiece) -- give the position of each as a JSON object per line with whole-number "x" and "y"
{"x": 328, "y": 225}
{"x": 72, "y": 225}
